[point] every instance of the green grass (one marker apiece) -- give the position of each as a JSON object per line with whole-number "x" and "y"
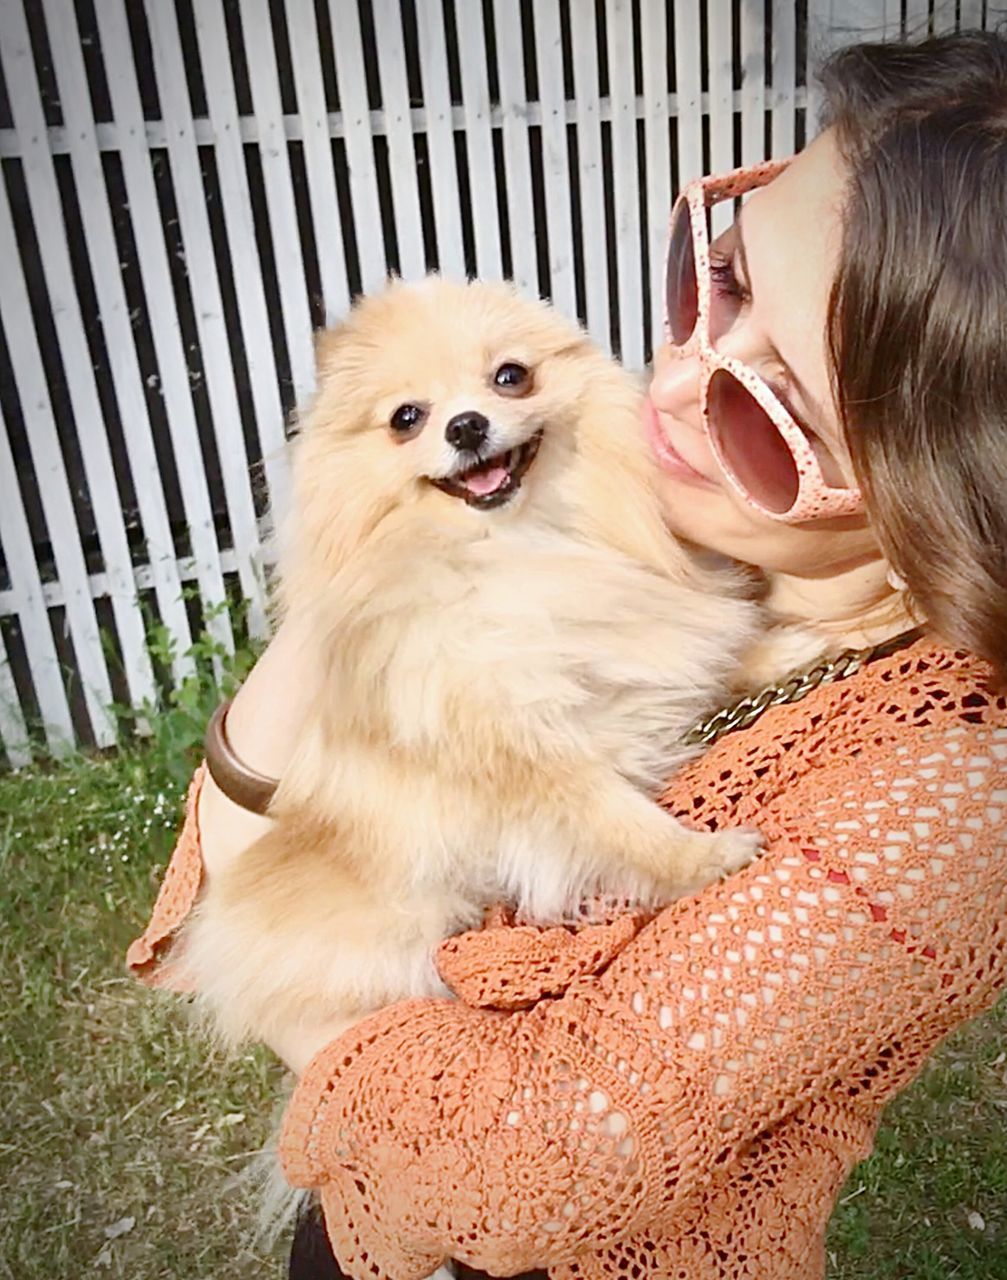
{"x": 931, "y": 1202}
{"x": 115, "y": 1118}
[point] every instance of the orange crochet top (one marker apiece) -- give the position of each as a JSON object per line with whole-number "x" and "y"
{"x": 693, "y": 1093}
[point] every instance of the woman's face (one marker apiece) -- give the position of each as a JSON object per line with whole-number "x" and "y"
{"x": 774, "y": 268}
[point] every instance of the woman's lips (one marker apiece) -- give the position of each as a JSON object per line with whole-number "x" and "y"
{"x": 668, "y": 458}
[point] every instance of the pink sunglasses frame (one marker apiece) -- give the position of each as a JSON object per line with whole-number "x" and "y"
{"x": 815, "y": 499}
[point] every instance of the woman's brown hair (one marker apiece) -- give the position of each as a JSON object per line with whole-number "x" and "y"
{"x": 918, "y": 317}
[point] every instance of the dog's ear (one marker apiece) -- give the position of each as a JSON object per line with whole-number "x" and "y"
{"x": 328, "y": 344}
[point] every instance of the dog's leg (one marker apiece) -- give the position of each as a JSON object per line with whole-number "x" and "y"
{"x": 623, "y": 829}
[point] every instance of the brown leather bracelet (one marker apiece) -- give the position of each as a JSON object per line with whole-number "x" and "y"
{"x": 250, "y": 790}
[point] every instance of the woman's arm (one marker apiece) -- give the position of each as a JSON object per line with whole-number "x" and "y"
{"x": 263, "y": 725}
{"x": 832, "y": 967}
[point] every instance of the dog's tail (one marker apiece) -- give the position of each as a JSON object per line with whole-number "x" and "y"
{"x": 278, "y": 1204}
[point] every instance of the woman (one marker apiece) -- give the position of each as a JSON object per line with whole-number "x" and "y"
{"x": 830, "y": 407}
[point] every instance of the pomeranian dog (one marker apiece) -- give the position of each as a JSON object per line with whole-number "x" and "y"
{"x": 511, "y": 647}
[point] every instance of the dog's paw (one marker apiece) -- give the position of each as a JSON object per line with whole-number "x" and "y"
{"x": 731, "y": 850}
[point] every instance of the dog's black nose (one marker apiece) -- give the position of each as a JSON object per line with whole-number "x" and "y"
{"x": 467, "y": 431}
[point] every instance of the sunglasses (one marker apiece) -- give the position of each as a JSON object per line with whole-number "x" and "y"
{"x": 762, "y": 450}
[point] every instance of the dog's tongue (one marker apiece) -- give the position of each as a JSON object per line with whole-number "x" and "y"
{"x": 486, "y": 480}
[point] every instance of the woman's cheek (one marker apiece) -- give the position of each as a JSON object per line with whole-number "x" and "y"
{"x": 715, "y": 521}
{"x": 706, "y": 517}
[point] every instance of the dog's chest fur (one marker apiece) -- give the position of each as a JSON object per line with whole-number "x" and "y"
{"x": 461, "y": 670}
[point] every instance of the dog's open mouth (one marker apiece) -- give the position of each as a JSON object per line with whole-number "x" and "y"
{"x": 492, "y": 482}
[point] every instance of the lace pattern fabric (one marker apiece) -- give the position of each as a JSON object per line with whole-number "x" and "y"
{"x": 703, "y": 1099}
{"x": 691, "y": 1096}
{"x": 149, "y": 956}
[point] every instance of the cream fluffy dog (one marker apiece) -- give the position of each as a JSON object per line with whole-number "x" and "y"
{"x": 511, "y": 646}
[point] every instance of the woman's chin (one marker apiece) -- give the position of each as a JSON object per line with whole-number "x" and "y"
{"x": 685, "y": 503}
{"x": 708, "y": 518}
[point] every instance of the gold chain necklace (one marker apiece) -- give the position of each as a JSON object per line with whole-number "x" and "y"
{"x": 740, "y": 714}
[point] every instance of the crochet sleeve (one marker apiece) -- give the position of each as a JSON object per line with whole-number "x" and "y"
{"x": 150, "y": 957}
{"x": 873, "y": 925}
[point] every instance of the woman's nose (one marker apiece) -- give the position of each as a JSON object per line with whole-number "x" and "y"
{"x": 674, "y": 384}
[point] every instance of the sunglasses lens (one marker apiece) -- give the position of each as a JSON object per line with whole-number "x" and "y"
{"x": 682, "y": 292}
{"x": 750, "y": 446}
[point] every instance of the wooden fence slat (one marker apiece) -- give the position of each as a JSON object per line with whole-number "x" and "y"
{"x": 892, "y": 19}
{"x": 625, "y": 180}
{"x": 555, "y": 156}
{"x": 57, "y": 507}
{"x": 851, "y": 20}
{"x": 657, "y": 150}
{"x": 155, "y": 133}
{"x": 820, "y": 37}
{"x": 207, "y": 304}
{"x": 832, "y": 24}
{"x": 246, "y": 267}
{"x": 753, "y": 83}
{"x": 944, "y": 17}
{"x": 441, "y": 139}
{"x": 309, "y": 85}
{"x": 818, "y": 21}
{"x": 917, "y": 17}
{"x": 99, "y": 234}
{"x": 517, "y": 178}
{"x": 32, "y": 613}
{"x": 391, "y": 51}
{"x": 590, "y": 172}
{"x": 46, "y": 208}
{"x": 970, "y": 15}
{"x": 784, "y": 76}
{"x": 13, "y": 733}
{"x": 159, "y": 300}
{"x": 720, "y": 70}
{"x": 285, "y": 236}
{"x": 348, "y": 47}
{"x": 689, "y": 113}
{"x": 479, "y": 141}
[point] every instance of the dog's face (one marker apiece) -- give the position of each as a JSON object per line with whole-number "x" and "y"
{"x": 471, "y": 405}
{"x": 447, "y": 393}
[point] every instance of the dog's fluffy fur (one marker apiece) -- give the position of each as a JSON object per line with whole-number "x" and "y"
{"x": 503, "y": 689}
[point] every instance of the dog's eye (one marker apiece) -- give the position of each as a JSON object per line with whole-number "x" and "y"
{"x": 512, "y": 379}
{"x": 407, "y": 419}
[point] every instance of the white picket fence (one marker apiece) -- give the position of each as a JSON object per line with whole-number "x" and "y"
{"x": 191, "y": 186}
